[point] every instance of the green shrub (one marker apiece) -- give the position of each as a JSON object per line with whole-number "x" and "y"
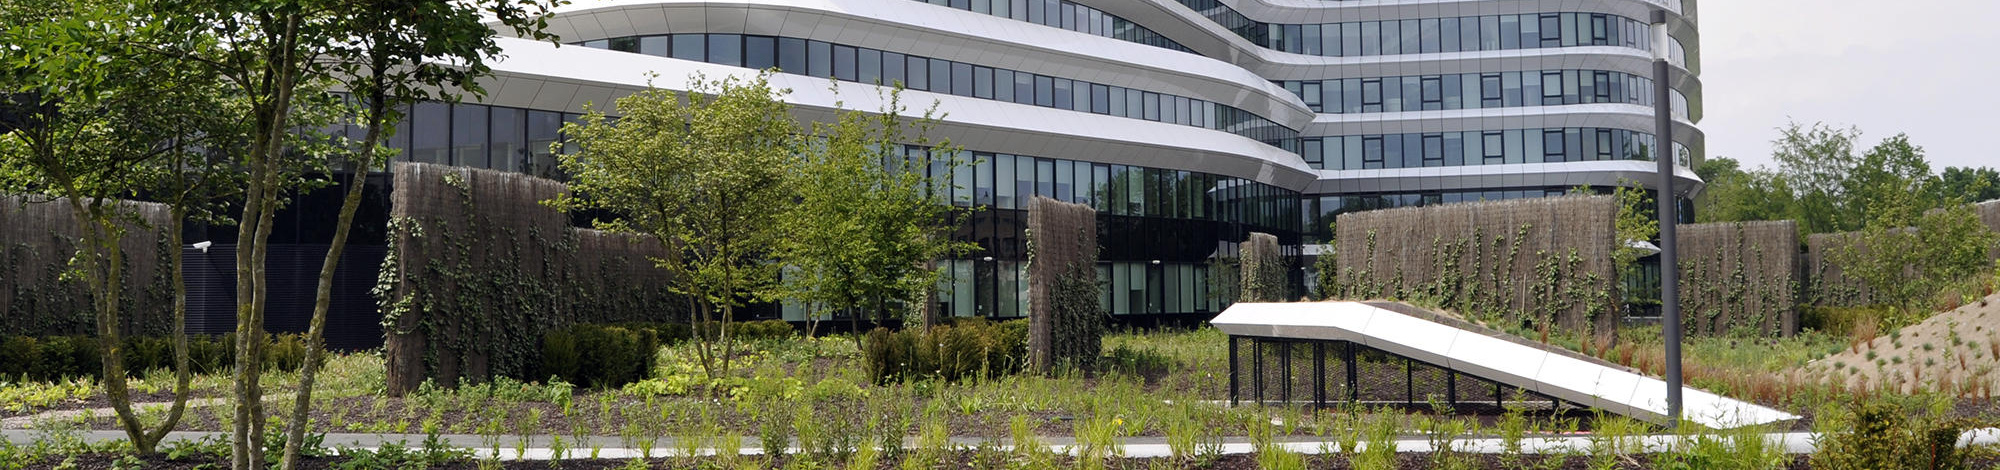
{"x": 287, "y": 352}
{"x": 560, "y": 356}
{"x": 1881, "y": 435}
{"x": 146, "y": 353}
{"x": 1144, "y": 362}
{"x": 63, "y": 357}
{"x": 210, "y": 354}
{"x": 668, "y": 333}
{"x": 17, "y": 355}
{"x": 598, "y": 355}
{"x": 964, "y": 348}
{"x": 1842, "y": 320}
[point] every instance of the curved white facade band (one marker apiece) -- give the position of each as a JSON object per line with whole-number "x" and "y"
{"x": 1187, "y": 123}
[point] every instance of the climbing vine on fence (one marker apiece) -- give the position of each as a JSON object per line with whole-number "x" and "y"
{"x": 37, "y": 241}
{"x": 1263, "y": 269}
{"x": 478, "y": 270}
{"x": 1540, "y": 264}
{"x": 1739, "y": 277}
{"x": 1066, "y": 317}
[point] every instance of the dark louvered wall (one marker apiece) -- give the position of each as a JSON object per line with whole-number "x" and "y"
{"x": 292, "y": 274}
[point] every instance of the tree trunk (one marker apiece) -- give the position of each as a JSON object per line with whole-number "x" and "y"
{"x": 183, "y": 376}
{"x": 99, "y": 253}
{"x": 323, "y": 299}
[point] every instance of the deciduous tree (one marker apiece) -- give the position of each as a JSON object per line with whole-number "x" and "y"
{"x": 95, "y": 122}
{"x": 868, "y": 219}
{"x": 702, "y": 172}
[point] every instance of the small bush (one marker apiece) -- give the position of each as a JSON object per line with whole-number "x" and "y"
{"x": 964, "y": 348}
{"x": 63, "y": 357}
{"x": 668, "y": 333}
{"x": 286, "y": 353}
{"x": 17, "y": 355}
{"x": 1143, "y": 362}
{"x": 1842, "y": 320}
{"x": 599, "y": 356}
{"x": 1885, "y": 436}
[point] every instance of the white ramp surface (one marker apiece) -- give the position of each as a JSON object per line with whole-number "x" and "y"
{"x": 1598, "y": 385}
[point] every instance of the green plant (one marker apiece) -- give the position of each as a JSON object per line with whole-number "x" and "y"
{"x": 1888, "y": 435}
{"x": 599, "y": 356}
{"x": 971, "y": 348}
{"x": 1379, "y": 450}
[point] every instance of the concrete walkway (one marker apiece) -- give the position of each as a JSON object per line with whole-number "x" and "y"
{"x": 26, "y": 421}
{"x": 540, "y": 447}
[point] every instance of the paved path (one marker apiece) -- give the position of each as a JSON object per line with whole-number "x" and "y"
{"x": 25, "y": 421}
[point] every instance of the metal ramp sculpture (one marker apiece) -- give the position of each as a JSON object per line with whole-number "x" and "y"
{"x": 1458, "y": 348}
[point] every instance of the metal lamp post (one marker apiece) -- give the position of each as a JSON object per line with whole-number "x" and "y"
{"x": 1663, "y": 121}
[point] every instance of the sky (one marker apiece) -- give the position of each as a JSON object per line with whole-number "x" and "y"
{"x": 1927, "y": 68}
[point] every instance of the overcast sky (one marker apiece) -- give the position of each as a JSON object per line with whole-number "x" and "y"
{"x": 1928, "y": 68}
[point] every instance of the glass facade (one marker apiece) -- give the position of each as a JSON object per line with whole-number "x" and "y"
{"x": 1436, "y": 35}
{"x": 479, "y": 136}
{"x": 1167, "y": 223}
{"x": 1487, "y": 147}
{"x": 1160, "y": 227}
{"x": 1476, "y": 91}
{"x": 859, "y": 64}
{"x": 1066, "y": 15}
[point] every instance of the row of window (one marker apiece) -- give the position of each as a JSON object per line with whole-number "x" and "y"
{"x": 1471, "y": 91}
{"x": 1320, "y": 211}
{"x": 1471, "y": 148}
{"x": 1434, "y": 35}
{"x": 475, "y": 135}
{"x": 1066, "y": 15}
{"x": 1003, "y": 181}
{"x": 860, "y": 64}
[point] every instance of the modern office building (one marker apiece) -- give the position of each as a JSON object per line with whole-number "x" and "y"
{"x": 1187, "y": 123}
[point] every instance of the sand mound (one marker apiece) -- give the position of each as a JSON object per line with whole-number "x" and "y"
{"x": 1955, "y": 352}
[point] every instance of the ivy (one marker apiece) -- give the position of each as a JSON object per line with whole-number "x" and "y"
{"x": 474, "y": 277}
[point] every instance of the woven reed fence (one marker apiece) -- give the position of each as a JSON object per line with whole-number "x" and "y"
{"x": 1530, "y": 262}
{"x": 479, "y": 269}
{"x": 1066, "y": 322}
{"x": 1740, "y": 276}
{"x": 1263, "y": 269}
{"x": 1831, "y": 287}
{"x": 37, "y": 238}
{"x": 1989, "y": 212}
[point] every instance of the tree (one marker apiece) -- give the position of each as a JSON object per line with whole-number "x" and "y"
{"x": 868, "y": 220}
{"x": 1967, "y": 184}
{"x": 1890, "y": 187}
{"x": 278, "y": 57}
{"x": 98, "y": 123}
{"x": 1733, "y": 194}
{"x": 1815, "y": 161}
{"x": 702, "y": 172}
{"x": 404, "y": 51}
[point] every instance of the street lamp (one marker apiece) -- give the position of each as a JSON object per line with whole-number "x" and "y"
{"x": 1663, "y": 123}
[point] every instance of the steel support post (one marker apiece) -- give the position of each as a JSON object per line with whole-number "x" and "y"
{"x": 1663, "y": 123}
{"x": 1233, "y": 371}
